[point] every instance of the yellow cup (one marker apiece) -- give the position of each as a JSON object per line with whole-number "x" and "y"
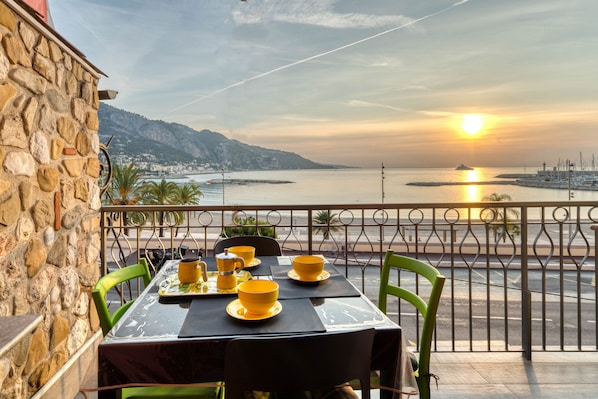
{"x": 191, "y": 269}
{"x": 258, "y": 296}
{"x": 244, "y": 251}
{"x": 308, "y": 267}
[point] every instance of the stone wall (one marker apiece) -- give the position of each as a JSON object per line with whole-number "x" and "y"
{"x": 49, "y": 197}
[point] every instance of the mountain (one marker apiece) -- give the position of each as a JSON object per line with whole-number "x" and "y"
{"x": 154, "y": 142}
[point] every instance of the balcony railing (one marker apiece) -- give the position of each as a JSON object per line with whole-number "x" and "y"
{"x": 521, "y": 276}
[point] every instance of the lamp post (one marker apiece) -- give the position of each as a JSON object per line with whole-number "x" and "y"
{"x": 223, "y": 186}
{"x": 382, "y": 170}
{"x": 571, "y": 167}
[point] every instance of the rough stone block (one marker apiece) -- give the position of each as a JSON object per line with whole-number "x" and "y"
{"x": 38, "y": 349}
{"x": 38, "y": 145}
{"x": 56, "y": 148}
{"x": 60, "y": 331}
{"x": 29, "y": 79}
{"x": 48, "y": 179}
{"x": 25, "y": 192}
{"x": 19, "y": 163}
{"x": 35, "y": 257}
{"x": 7, "y": 93}
{"x": 83, "y": 143}
{"x": 57, "y": 254}
{"x": 29, "y": 115}
{"x": 12, "y": 132}
{"x": 28, "y": 36}
{"x": 42, "y": 214}
{"x": 93, "y": 122}
{"x": 15, "y": 51}
{"x": 66, "y": 129}
{"x": 44, "y": 67}
{"x": 7, "y": 18}
{"x": 74, "y": 166}
{"x": 9, "y": 211}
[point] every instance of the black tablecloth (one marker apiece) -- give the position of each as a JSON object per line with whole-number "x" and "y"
{"x": 207, "y": 317}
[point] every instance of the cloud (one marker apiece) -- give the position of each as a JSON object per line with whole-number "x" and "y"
{"x": 316, "y": 13}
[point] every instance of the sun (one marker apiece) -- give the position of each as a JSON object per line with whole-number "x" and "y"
{"x": 472, "y": 124}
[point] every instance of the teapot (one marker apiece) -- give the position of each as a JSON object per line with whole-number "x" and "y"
{"x": 228, "y": 264}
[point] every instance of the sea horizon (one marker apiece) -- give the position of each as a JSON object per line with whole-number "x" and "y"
{"x": 369, "y": 185}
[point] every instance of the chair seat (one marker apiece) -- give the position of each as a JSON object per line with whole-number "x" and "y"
{"x": 191, "y": 392}
{"x": 342, "y": 392}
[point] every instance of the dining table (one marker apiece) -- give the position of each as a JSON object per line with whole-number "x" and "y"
{"x": 176, "y": 334}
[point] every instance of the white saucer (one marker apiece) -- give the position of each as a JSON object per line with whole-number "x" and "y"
{"x": 255, "y": 262}
{"x": 236, "y": 310}
{"x": 321, "y": 277}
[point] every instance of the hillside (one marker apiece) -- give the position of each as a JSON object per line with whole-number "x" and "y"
{"x": 138, "y": 139}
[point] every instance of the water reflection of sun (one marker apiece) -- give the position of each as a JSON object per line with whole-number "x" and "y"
{"x": 472, "y": 176}
{"x": 472, "y": 192}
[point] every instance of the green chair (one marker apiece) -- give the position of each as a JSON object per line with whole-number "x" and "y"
{"x": 108, "y": 320}
{"x": 426, "y": 309}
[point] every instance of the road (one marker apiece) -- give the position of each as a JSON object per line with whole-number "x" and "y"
{"x": 473, "y": 307}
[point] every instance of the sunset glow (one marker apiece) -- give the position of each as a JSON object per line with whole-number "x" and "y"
{"x": 472, "y": 124}
{"x": 363, "y": 82}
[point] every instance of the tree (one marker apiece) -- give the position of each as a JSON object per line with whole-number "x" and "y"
{"x": 162, "y": 193}
{"x": 325, "y": 223}
{"x": 187, "y": 194}
{"x": 126, "y": 185}
{"x": 125, "y": 188}
{"x": 504, "y": 217}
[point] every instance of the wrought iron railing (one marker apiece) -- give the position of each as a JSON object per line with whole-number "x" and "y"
{"x": 521, "y": 276}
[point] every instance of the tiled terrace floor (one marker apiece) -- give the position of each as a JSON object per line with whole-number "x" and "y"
{"x": 507, "y": 375}
{"x": 493, "y": 375}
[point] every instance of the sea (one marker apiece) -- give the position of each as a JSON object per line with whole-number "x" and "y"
{"x": 368, "y": 186}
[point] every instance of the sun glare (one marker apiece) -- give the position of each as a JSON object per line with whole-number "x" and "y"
{"x": 472, "y": 124}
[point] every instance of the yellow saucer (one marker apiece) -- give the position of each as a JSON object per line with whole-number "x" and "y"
{"x": 255, "y": 262}
{"x": 321, "y": 277}
{"x": 236, "y": 310}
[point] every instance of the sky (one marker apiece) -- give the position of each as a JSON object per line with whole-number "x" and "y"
{"x": 355, "y": 82}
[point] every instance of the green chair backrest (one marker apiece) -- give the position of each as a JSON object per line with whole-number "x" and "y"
{"x": 427, "y": 309}
{"x": 109, "y": 281}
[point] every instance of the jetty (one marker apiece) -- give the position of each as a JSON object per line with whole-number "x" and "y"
{"x": 247, "y": 181}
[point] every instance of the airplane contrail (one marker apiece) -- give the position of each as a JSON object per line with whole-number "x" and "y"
{"x": 313, "y": 57}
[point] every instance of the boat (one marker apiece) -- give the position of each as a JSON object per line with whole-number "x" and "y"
{"x": 463, "y": 167}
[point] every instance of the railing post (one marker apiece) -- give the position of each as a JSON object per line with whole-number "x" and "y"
{"x": 309, "y": 231}
{"x": 104, "y": 262}
{"x": 595, "y": 276}
{"x": 526, "y": 296}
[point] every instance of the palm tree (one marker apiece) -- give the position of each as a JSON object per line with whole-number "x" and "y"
{"x": 126, "y": 185}
{"x": 325, "y": 223}
{"x": 187, "y": 194}
{"x": 504, "y": 216}
{"x": 162, "y": 193}
{"x": 125, "y": 188}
